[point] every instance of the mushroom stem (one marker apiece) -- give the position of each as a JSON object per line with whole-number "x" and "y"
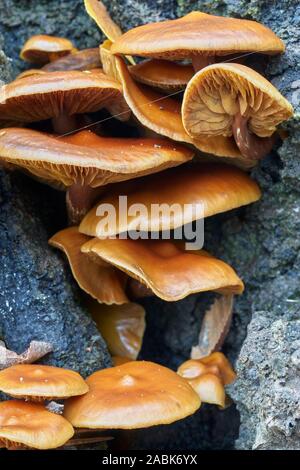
{"x": 63, "y": 124}
{"x": 79, "y": 200}
{"x": 200, "y": 61}
{"x": 250, "y": 145}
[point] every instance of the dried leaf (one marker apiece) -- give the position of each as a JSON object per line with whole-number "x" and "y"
{"x": 214, "y": 328}
{"x": 35, "y": 351}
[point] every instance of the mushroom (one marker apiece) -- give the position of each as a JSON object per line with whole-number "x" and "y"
{"x": 170, "y": 271}
{"x": 100, "y": 15}
{"x": 60, "y": 96}
{"x": 37, "y": 382}
{"x": 208, "y": 376}
{"x": 231, "y": 99}
{"x": 119, "y": 360}
{"x": 41, "y": 49}
{"x": 100, "y": 280}
{"x": 108, "y": 60}
{"x": 162, "y": 115}
{"x": 83, "y": 162}
{"x": 214, "y": 188}
{"x": 29, "y": 425}
{"x": 199, "y": 37}
{"x": 122, "y": 327}
{"x": 144, "y": 394}
{"x": 87, "y": 59}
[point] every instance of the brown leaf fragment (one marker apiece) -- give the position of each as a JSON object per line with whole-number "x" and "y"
{"x": 35, "y": 351}
{"x": 214, "y": 328}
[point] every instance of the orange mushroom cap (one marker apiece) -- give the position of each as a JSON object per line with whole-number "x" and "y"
{"x": 144, "y": 394}
{"x": 170, "y": 271}
{"x": 38, "y": 382}
{"x": 41, "y": 49}
{"x": 31, "y": 425}
{"x": 195, "y": 33}
{"x": 49, "y": 95}
{"x": 122, "y": 327}
{"x": 100, "y": 280}
{"x": 215, "y": 187}
{"x": 163, "y": 115}
{"x": 87, "y": 59}
{"x": 100, "y": 15}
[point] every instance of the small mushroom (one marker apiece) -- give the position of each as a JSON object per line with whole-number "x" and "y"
{"x": 87, "y": 59}
{"x": 144, "y": 394}
{"x": 170, "y": 271}
{"x": 162, "y": 115}
{"x": 29, "y": 425}
{"x": 37, "y": 382}
{"x": 122, "y": 327}
{"x": 100, "y": 280}
{"x": 213, "y": 187}
{"x": 199, "y": 37}
{"x": 83, "y": 162}
{"x": 41, "y": 49}
{"x": 231, "y": 99}
{"x": 60, "y": 96}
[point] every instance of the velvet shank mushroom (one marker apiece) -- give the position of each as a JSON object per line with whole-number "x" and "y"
{"x": 87, "y": 59}
{"x": 29, "y": 425}
{"x": 42, "y": 49}
{"x": 162, "y": 115}
{"x": 170, "y": 271}
{"x": 38, "y": 382}
{"x": 214, "y": 187}
{"x": 199, "y": 37}
{"x": 231, "y": 99}
{"x": 83, "y": 162}
{"x": 144, "y": 394}
{"x": 100, "y": 280}
{"x": 122, "y": 327}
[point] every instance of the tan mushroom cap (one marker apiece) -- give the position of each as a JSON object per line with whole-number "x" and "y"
{"x": 198, "y": 32}
{"x": 87, "y": 159}
{"x": 216, "y": 363}
{"x": 210, "y": 389}
{"x": 31, "y": 425}
{"x": 49, "y": 95}
{"x": 163, "y": 115}
{"x": 100, "y": 280}
{"x": 162, "y": 74}
{"x": 122, "y": 327}
{"x": 170, "y": 271}
{"x": 134, "y": 395}
{"x": 30, "y": 73}
{"x": 38, "y": 382}
{"x": 218, "y": 92}
{"x": 100, "y": 15}
{"x": 87, "y": 59}
{"x": 41, "y": 48}
{"x": 214, "y": 188}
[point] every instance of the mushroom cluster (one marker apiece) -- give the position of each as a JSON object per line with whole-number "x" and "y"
{"x": 178, "y": 128}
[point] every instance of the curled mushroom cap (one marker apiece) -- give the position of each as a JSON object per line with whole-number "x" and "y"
{"x": 198, "y": 33}
{"x": 170, "y": 271}
{"x": 87, "y": 59}
{"x": 214, "y": 188}
{"x": 31, "y": 425}
{"x": 163, "y": 74}
{"x": 162, "y": 115}
{"x": 231, "y": 99}
{"x": 41, "y": 49}
{"x": 100, "y": 15}
{"x": 100, "y": 280}
{"x": 55, "y": 94}
{"x": 84, "y": 160}
{"x": 39, "y": 382}
{"x": 144, "y": 394}
{"x": 122, "y": 327}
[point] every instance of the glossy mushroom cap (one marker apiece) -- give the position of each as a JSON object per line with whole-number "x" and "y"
{"x": 162, "y": 115}
{"x": 198, "y": 32}
{"x": 87, "y": 59}
{"x": 219, "y": 93}
{"x": 41, "y": 49}
{"x": 122, "y": 327}
{"x": 133, "y": 395}
{"x": 214, "y": 188}
{"x": 100, "y": 280}
{"x": 39, "y": 382}
{"x": 170, "y": 271}
{"x": 30, "y": 425}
